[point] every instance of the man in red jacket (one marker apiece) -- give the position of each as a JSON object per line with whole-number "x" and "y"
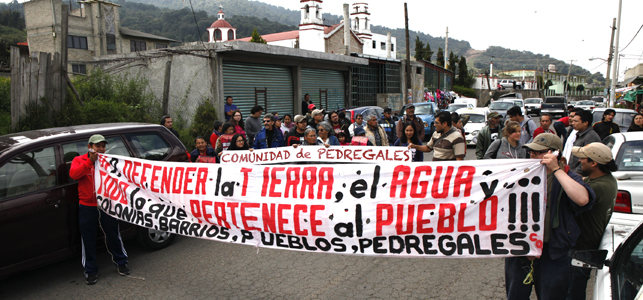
{"x": 82, "y": 169}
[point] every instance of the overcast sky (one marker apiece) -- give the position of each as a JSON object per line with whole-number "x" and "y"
{"x": 564, "y": 29}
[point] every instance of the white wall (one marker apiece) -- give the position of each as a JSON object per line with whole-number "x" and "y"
{"x": 311, "y": 37}
{"x": 379, "y": 39}
{"x": 284, "y": 43}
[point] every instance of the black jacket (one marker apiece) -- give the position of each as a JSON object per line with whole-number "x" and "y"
{"x": 604, "y": 128}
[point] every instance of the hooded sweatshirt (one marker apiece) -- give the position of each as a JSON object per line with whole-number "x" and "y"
{"x": 506, "y": 150}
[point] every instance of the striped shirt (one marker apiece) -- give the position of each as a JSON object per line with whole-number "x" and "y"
{"x": 449, "y": 147}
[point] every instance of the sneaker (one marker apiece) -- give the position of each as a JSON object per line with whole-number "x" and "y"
{"x": 123, "y": 270}
{"x": 91, "y": 279}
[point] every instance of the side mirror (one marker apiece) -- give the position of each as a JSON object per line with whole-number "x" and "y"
{"x": 594, "y": 259}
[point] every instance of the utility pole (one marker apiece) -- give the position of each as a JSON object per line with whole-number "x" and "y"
{"x": 615, "y": 68}
{"x": 569, "y": 73}
{"x": 408, "y": 50}
{"x": 610, "y": 56}
{"x": 446, "y": 55}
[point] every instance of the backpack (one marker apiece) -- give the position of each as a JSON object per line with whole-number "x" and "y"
{"x": 495, "y": 153}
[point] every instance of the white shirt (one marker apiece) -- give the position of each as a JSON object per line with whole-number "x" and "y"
{"x": 567, "y": 151}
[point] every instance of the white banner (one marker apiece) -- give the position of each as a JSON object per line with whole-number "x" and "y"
{"x": 488, "y": 208}
{"x": 336, "y": 154}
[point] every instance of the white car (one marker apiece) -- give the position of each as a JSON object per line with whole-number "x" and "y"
{"x": 586, "y": 105}
{"x": 533, "y": 105}
{"x": 627, "y": 149}
{"x": 477, "y": 120}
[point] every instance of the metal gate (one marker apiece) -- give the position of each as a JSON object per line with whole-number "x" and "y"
{"x": 256, "y": 84}
{"x": 325, "y": 87}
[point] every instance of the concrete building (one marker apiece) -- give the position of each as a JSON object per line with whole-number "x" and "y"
{"x": 315, "y": 36}
{"x": 221, "y": 30}
{"x": 93, "y": 30}
{"x": 557, "y": 79}
{"x": 634, "y": 76}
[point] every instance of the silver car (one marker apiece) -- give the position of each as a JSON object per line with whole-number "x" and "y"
{"x": 627, "y": 149}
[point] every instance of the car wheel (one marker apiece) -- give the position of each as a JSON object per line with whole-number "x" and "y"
{"x": 154, "y": 239}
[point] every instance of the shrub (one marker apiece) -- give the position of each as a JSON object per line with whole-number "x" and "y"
{"x": 465, "y": 91}
{"x": 202, "y": 124}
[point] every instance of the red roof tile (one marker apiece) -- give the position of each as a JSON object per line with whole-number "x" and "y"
{"x": 221, "y": 24}
{"x": 23, "y": 44}
{"x": 328, "y": 29}
{"x": 273, "y": 37}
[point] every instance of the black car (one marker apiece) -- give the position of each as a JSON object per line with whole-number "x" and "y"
{"x": 39, "y": 201}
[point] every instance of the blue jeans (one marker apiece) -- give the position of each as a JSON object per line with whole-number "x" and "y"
{"x": 578, "y": 283}
{"x": 551, "y": 277}
{"x": 90, "y": 218}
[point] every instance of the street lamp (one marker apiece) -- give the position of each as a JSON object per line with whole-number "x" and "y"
{"x": 595, "y": 58}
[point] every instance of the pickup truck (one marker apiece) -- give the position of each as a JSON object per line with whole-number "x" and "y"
{"x": 555, "y": 106}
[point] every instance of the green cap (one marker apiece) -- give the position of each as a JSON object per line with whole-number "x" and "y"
{"x": 494, "y": 114}
{"x": 545, "y": 141}
{"x": 97, "y": 138}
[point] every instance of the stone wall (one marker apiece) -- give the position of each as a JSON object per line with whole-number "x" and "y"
{"x": 335, "y": 43}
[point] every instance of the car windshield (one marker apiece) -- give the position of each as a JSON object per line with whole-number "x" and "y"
{"x": 530, "y": 101}
{"x": 518, "y": 103}
{"x": 630, "y": 156}
{"x": 555, "y": 100}
{"x": 474, "y": 118}
{"x": 501, "y": 105}
{"x": 454, "y": 107}
{"x": 423, "y": 110}
{"x": 585, "y": 103}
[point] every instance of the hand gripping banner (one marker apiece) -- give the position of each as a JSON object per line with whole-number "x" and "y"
{"x": 488, "y": 208}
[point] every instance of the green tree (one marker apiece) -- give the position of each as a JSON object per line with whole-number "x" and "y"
{"x": 548, "y": 84}
{"x": 465, "y": 79}
{"x": 439, "y": 59}
{"x": 580, "y": 87}
{"x": 419, "y": 49}
{"x": 453, "y": 62}
{"x": 427, "y": 53}
{"x": 256, "y": 38}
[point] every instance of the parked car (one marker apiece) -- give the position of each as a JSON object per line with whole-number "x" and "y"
{"x": 511, "y": 96}
{"x": 501, "y": 106}
{"x": 600, "y": 101}
{"x": 555, "y": 106}
{"x": 586, "y": 105}
{"x": 477, "y": 120}
{"x": 364, "y": 110}
{"x": 533, "y": 105}
{"x": 619, "y": 262}
{"x": 627, "y": 150}
{"x": 572, "y": 103}
{"x": 453, "y": 107}
{"x": 425, "y": 111}
{"x": 623, "y": 117}
{"x": 39, "y": 201}
{"x": 507, "y": 83}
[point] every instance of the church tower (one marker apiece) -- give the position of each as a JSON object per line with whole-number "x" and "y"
{"x": 221, "y": 30}
{"x": 311, "y": 27}
{"x": 361, "y": 22}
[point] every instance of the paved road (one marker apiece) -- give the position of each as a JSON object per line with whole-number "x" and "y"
{"x": 200, "y": 269}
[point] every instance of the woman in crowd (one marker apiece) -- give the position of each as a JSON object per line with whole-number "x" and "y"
{"x": 216, "y": 133}
{"x": 237, "y": 120}
{"x": 310, "y": 138}
{"x": 509, "y": 147}
{"x": 287, "y": 123}
{"x": 224, "y": 140}
{"x": 342, "y": 138}
{"x": 637, "y": 123}
{"x": 238, "y": 143}
{"x": 202, "y": 153}
{"x": 326, "y": 134}
{"x": 410, "y": 137}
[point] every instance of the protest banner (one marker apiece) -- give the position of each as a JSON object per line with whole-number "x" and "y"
{"x": 437, "y": 209}
{"x": 335, "y": 154}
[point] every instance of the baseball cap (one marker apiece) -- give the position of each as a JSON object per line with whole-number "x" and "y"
{"x": 545, "y": 141}
{"x": 96, "y": 138}
{"x": 359, "y": 131}
{"x": 597, "y": 152}
{"x": 410, "y": 106}
{"x": 494, "y": 114}
{"x": 311, "y": 106}
{"x": 299, "y": 119}
{"x": 316, "y": 112}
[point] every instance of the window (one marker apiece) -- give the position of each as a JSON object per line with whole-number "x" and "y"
{"x": 217, "y": 35}
{"x": 28, "y": 172}
{"x": 149, "y": 145}
{"x": 418, "y": 70}
{"x": 374, "y": 44}
{"x": 392, "y": 47}
{"x": 137, "y": 46}
{"x": 76, "y": 42}
{"x": 114, "y": 146}
{"x": 160, "y": 46}
{"x": 79, "y": 69}
{"x": 111, "y": 41}
{"x": 383, "y": 46}
{"x": 627, "y": 270}
{"x": 230, "y": 35}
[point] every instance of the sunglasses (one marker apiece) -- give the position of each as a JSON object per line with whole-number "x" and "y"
{"x": 539, "y": 152}
{"x": 266, "y": 121}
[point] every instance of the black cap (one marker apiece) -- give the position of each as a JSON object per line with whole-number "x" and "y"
{"x": 387, "y": 110}
{"x": 410, "y": 106}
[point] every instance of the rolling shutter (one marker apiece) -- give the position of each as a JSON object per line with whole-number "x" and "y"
{"x": 256, "y": 84}
{"x": 325, "y": 87}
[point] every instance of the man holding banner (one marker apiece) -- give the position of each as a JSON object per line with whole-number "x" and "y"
{"x": 567, "y": 195}
{"x": 90, "y": 216}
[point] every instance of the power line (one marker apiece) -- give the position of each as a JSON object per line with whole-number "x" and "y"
{"x": 197, "y": 24}
{"x": 632, "y": 38}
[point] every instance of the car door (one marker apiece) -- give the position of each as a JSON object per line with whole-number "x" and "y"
{"x": 34, "y": 212}
{"x": 627, "y": 267}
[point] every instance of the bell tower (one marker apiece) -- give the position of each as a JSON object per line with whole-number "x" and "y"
{"x": 361, "y": 22}
{"x": 311, "y": 27}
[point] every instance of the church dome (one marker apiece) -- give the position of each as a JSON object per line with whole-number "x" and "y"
{"x": 221, "y": 24}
